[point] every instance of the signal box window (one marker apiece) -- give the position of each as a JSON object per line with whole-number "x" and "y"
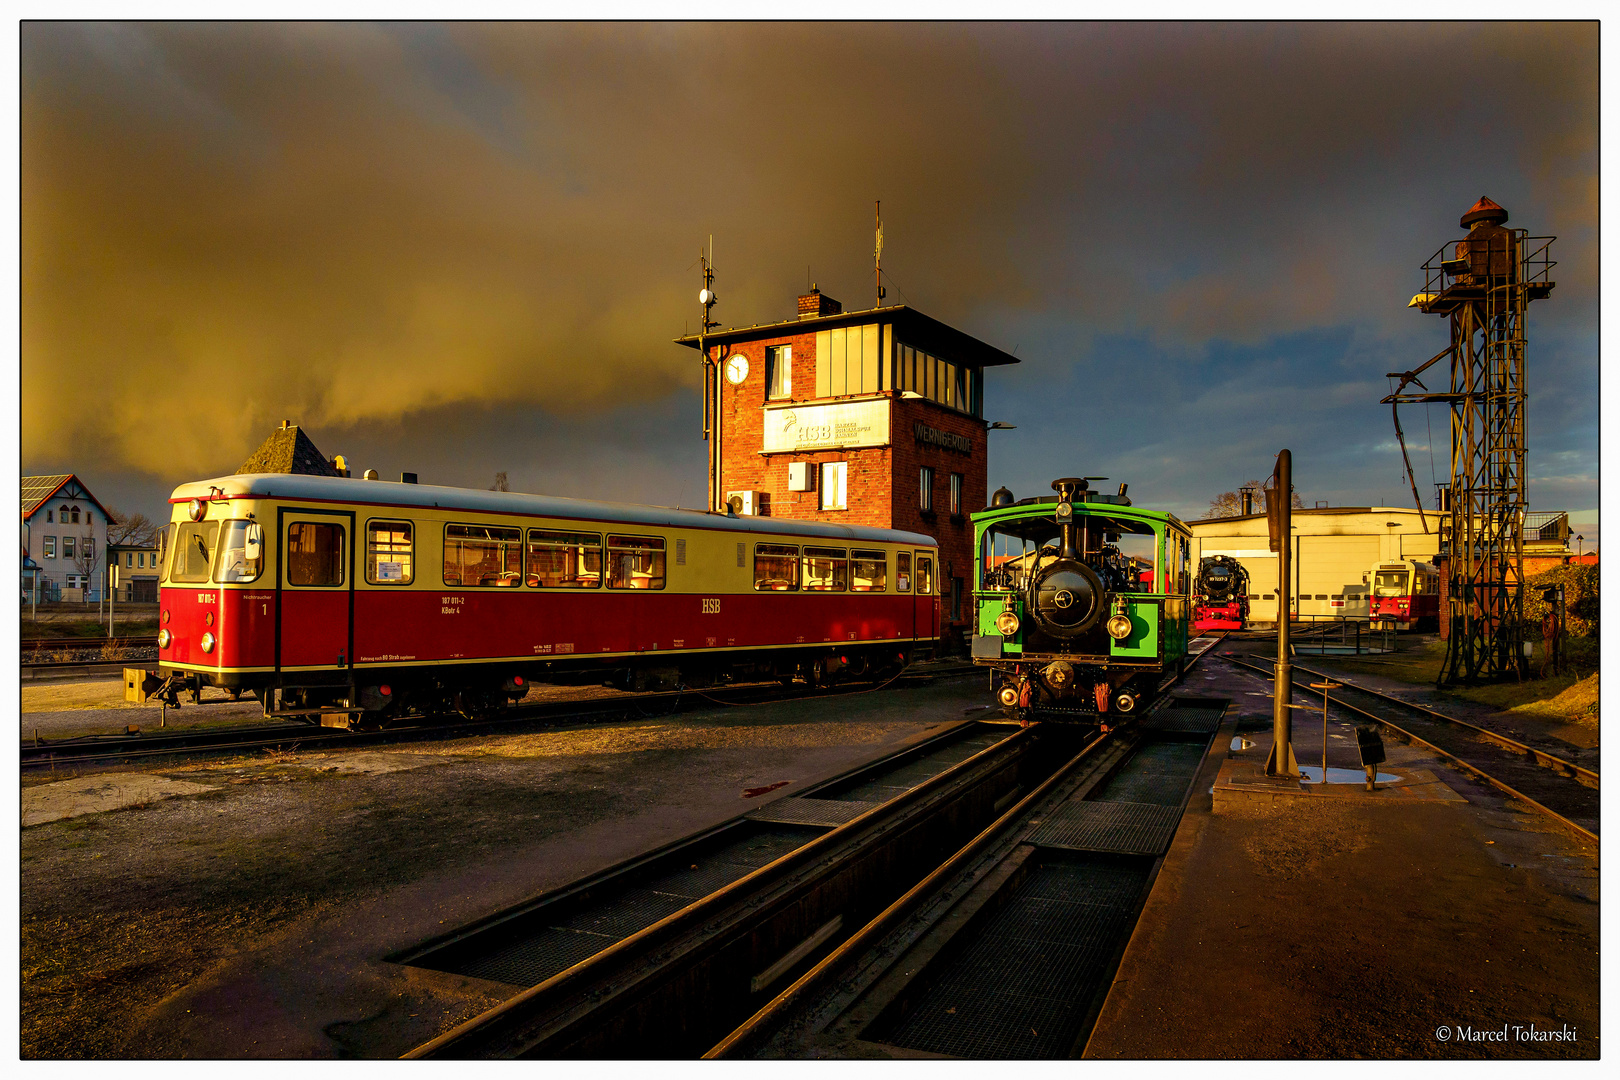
{"x": 833, "y": 495}
{"x": 956, "y": 494}
{"x": 390, "y": 553}
{"x": 776, "y": 568}
{"x": 902, "y": 571}
{"x": 635, "y": 562}
{"x": 925, "y": 575}
{"x": 564, "y": 560}
{"x": 826, "y": 569}
{"x": 241, "y": 554}
{"x": 925, "y": 486}
{"x": 483, "y": 555}
{"x": 314, "y": 553}
{"x": 194, "y": 550}
{"x": 869, "y": 571}
{"x": 779, "y": 371}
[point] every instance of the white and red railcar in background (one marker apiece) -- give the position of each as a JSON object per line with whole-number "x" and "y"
{"x": 325, "y": 592}
{"x": 1405, "y": 595}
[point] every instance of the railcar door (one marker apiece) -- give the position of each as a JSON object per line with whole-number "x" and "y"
{"x": 315, "y": 589}
{"x": 927, "y": 603}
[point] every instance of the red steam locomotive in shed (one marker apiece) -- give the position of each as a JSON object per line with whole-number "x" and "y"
{"x": 329, "y": 594}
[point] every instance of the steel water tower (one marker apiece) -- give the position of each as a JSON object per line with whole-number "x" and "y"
{"x": 1483, "y": 284}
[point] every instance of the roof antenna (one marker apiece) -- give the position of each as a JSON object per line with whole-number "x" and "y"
{"x": 877, "y": 255}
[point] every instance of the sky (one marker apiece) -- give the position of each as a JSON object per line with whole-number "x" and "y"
{"x": 464, "y": 249}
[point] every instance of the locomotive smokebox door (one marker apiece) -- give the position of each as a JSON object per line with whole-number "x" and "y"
{"x": 1371, "y": 745}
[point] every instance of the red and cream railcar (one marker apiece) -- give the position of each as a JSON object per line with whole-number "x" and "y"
{"x": 314, "y": 591}
{"x": 1405, "y": 595}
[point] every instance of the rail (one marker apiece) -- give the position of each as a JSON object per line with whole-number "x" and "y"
{"x": 1510, "y": 755}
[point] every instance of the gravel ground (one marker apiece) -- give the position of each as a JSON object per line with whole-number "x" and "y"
{"x": 250, "y": 920}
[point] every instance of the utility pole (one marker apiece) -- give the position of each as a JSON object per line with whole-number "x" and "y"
{"x": 1279, "y": 516}
{"x": 711, "y": 377}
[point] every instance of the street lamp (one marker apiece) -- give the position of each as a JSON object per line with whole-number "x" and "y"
{"x": 1578, "y": 541}
{"x": 1002, "y": 425}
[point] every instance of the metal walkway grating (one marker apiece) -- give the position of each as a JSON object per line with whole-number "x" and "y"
{"x": 1196, "y": 720}
{"x": 811, "y": 811}
{"x": 1158, "y": 773}
{"x": 1122, "y": 827}
{"x": 1024, "y": 986}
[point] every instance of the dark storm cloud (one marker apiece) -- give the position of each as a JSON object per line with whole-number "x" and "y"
{"x": 1213, "y": 229}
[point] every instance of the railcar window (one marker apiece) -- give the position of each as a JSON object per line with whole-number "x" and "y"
{"x": 776, "y": 568}
{"x": 826, "y": 569}
{"x": 483, "y": 555}
{"x": 869, "y": 571}
{"x": 390, "y": 553}
{"x": 241, "y": 553}
{"x": 635, "y": 562}
{"x": 194, "y": 551}
{"x": 902, "y": 571}
{"x": 565, "y": 560}
{"x": 925, "y": 574}
{"x": 160, "y": 559}
{"x": 314, "y": 553}
{"x": 1390, "y": 583}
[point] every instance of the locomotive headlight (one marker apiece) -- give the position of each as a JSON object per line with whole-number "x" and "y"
{"x": 208, "y": 643}
{"x": 1007, "y": 623}
{"x": 1119, "y": 626}
{"x": 199, "y": 509}
{"x": 164, "y": 638}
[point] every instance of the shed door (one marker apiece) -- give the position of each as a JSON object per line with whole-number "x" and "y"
{"x": 315, "y": 569}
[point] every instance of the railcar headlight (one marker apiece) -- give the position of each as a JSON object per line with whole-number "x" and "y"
{"x": 1119, "y": 626}
{"x": 163, "y": 639}
{"x": 208, "y": 643}
{"x": 199, "y": 509}
{"x": 1007, "y": 623}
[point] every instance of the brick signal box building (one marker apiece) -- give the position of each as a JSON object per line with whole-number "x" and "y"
{"x": 869, "y": 417}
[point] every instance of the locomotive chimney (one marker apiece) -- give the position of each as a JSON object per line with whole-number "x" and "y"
{"x": 1069, "y": 490}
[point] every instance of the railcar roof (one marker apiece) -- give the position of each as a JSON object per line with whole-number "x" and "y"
{"x": 427, "y": 496}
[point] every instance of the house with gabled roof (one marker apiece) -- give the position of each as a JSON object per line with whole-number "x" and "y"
{"x": 65, "y": 533}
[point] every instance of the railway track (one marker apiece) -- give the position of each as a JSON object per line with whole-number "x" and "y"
{"x": 143, "y": 641}
{"x": 1561, "y": 789}
{"x": 1008, "y": 948}
{"x": 680, "y": 978}
{"x": 48, "y": 754}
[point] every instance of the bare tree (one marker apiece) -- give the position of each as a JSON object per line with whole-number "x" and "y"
{"x": 500, "y": 483}
{"x": 1230, "y": 503}
{"x": 130, "y": 528}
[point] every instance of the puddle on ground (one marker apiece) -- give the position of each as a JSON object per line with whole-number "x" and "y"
{"x": 1312, "y": 774}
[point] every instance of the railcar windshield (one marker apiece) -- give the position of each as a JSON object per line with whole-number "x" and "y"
{"x": 1390, "y": 583}
{"x": 194, "y": 551}
{"x": 241, "y": 552}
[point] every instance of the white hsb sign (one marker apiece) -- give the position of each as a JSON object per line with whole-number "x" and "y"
{"x": 826, "y": 427}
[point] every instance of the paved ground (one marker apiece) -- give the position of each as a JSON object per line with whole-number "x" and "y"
{"x": 249, "y": 918}
{"x": 1359, "y": 926}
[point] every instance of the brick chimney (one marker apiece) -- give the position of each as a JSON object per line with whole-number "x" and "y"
{"x": 813, "y": 304}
